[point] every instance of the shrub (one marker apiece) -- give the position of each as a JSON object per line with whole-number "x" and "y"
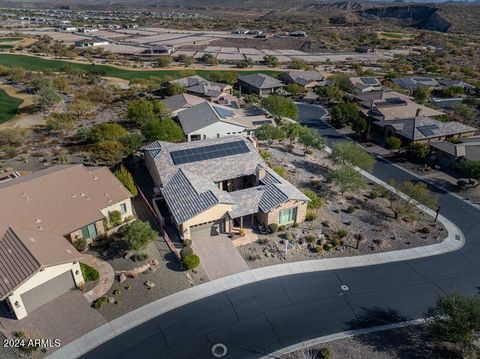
{"x": 264, "y": 240}
{"x": 191, "y": 262}
{"x": 318, "y": 249}
{"x": 124, "y": 176}
{"x": 186, "y": 251}
{"x": 80, "y": 244}
{"x": 281, "y": 228}
{"x": 89, "y": 274}
{"x": 289, "y": 236}
{"x": 273, "y": 227}
{"x": 266, "y": 155}
{"x": 418, "y": 151}
{"x": 114, "y": 218}
{"x": 310, "y": 239}
{"x": 187, "y": 242}
{"x": 341, "y": 233}
{"x": 315, "y": 200}
{"x": 241, "y": 232}
{"x": 328, "y": 247}
{"x": 311, "y": 215}
{"x": 282, "y": 172}
{"x": 393, "y": 143}
{"x": 100, "y": 302}
{"x": 350, "y": 209}
{"x": 108, "y": 151}
{"x": 106, "y": 132}
{"x": 325, "y": 353}
{"x": 425, "y": 230}
{"x": 254, "y": 257}
{"x": 335, "y": 242}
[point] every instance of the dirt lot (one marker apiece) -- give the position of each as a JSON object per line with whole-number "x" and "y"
{"x": 356, "y": 214}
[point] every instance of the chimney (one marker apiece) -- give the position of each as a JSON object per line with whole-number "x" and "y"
{"x": 418, "y": 112}
{"x": 260, "y": 174}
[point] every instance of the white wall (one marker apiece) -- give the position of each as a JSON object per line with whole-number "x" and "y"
{"x": 40, "y": 278}
{"x": 221, "y": 128}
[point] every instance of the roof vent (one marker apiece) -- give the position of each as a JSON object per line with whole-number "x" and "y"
{"x": 110, "y": 201}
{"x": 38, "y": 220}
{"x": 40, "y": 228}
{"x": 6, "y": 280}
{"x": 69, "y": 251}
{"x": 74, "y": 195}
{"x": 32, "y": 239}
{"x": 95, "y": 178}
{"x": 106, "y": 194}
{"x": 83, "y": 195}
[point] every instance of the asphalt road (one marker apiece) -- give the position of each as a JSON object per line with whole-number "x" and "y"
{"x": 262, "y": 317}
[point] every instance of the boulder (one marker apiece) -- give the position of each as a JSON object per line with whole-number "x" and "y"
{"x": 149, "y": 284}
{"x": 155, "y": 262}
{"x": 122, "y": 278}
{"x": 128, "y": 254}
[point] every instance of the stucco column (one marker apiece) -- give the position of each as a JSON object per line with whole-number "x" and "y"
{"x": 16, "y": 304}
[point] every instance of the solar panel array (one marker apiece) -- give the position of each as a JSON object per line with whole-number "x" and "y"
{"x": 235, "y": 104}
{"x": 428, "y": 130}
{"x": 368, "y": 80}
{"x": 223, "y": 113}
{"x": 262, "y": 122}
{"x": 396, "y": 101}
{"x": 209, "y": 152}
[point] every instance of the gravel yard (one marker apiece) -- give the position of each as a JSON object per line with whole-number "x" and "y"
{"x": 359, "y": 224}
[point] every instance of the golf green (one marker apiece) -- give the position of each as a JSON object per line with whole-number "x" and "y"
{"x": 32, "y": 63}
{"x": 8, "y": 106}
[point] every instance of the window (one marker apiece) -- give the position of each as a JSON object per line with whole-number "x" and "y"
{"x": 123, "y": 208}
{"x": 288, "y": 215}
{"x": 89, "y": 231}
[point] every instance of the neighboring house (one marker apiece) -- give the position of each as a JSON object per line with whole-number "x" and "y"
{"x": 180, "y": 102}
{"x": 209, "y": 120}
{"x": 297, "y": 34}
{"x": 219, "y": 184}
{"x": 421, "y": 129}
{"x": 365, "y": 84}
{"x": 40, "y": 215}
{"x": 198, "y": 86}
{"x": 448, "y": 154}
{"x": 159, "y": 50}
{"x": 412, "y": 83}
{"x": 91, "y": 42}
{"x": 306, "y": 79}
{"x": 260, "y": 84}
{"x": 391, "y": 105}
{"x": 446, "y": 83}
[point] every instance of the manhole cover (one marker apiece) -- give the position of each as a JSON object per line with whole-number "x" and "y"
{"x": 219, "y": 350}
{"x": 344, "y": 287}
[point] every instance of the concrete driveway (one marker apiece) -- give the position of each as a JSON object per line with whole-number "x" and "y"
{"x": 66, "y": 318}
{"x": 217, "y": 254}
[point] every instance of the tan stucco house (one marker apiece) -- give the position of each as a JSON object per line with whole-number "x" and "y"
{"x": 221, "y": 183}
{"x": 41, "y": 215}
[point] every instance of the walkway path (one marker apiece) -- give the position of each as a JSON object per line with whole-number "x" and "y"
{"x": 105, "y": 282}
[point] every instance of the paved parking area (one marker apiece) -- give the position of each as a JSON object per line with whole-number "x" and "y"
{"x": 217, "y": 254}
{"x": 66, "y": 318}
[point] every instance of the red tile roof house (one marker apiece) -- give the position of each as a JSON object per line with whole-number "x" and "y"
{"x": 41, "y": 215}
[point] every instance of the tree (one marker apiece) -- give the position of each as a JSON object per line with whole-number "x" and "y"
{"x": 186, "y": 60}
{"x": 141, "y": 112}
{"x": 344, "y": 113}
{"x": 271, "y": 61}
{"x": 173, "y": 89}
{"x": 163, "y": 130}
{"x": 457, "y": 319}
{"x": 470, "y": 168}
{"x": 298, "y": 64}
{"x": 110, "y": 152}
{"x": 347, "y": 179}
{"x": 243, "y": 64}
{"x": 279, "y": 107}
{"x": 269, "y": 133}
{"x": 350, "y": 154}
{"x": 329, "y": 93}
{"x": 418, "y": 151}
{"x": 114, "y": 219}
{"x": 164, "y": 61}
{"x": 138, "y": 234}
{"x": 421, "y": 94}
{"x": 309, "y": 138}
{"x": 126, "y": 178}
{"x": 131, "y": 142}
{"x": 416, "y": 192}
{"x": 46, "y": 97}
{"x": 106, "y": 132}
{"x": 292, "y": 131}
{"x": 316, "y": 202}
{"x": 393, "y": 143}
{"x": 359, "y": 125}
{"x": 295, "y": 89}
{"x": 62, "y": 122}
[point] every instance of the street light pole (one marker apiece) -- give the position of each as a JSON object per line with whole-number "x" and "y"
{"x": 436, "y": 216}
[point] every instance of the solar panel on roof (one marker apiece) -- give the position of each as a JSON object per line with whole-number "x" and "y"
{"x": 368, "y": 80}
{"x": 262, "y": 122}
{"x": 428, "y": 130}
{"x": 223, "y": 113}
{"x": 234, "y": 104}
{"x": 209, "y": 152}
{"x": 396, "y": 101}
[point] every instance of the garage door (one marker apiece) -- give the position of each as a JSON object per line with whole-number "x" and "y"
{"x": 205, "y": 228}
{"x": 48, "y": 291}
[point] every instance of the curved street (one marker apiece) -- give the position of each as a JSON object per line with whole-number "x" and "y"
{"x": 260, "y": 318}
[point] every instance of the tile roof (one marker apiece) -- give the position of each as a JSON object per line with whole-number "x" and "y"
{"x": 261, "y": 81}
{"x": 190, "y": 188}
{"x": 181, "y": 101}
{"x": 23, "y": 253}
{"x": 302, "y": 77}
{"x": 198, "y": 85}
{"x": 414, "y": 82}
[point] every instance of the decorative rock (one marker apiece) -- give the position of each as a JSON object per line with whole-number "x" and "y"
{"x": 149, "y": 284}
{"x": 128, "y": 255}
{"x": 111, "y": 300}
{"x": 122, "y": 277}
{"x": 155, "y": 262}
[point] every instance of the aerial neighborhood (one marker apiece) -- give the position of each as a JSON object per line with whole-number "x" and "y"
{"x": 160, "y": 162}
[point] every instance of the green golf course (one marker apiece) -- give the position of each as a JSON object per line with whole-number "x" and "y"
{"x": 8, "y": 106}
{"x": 39, "y": 64}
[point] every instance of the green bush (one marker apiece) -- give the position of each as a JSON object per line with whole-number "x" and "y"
{"x": 311, "y": 215}
{"x": 282, "y": 172}
{"x": 325, "y": 353}
{"x": 310, "y": 239}
{"x": 80, "y": 244}
{"x": 273, "y": 227}
{"x": 393, "y": 143}
{"x": 418, "y": 151}
{"x": 114, "y": 219}
{"x": 281, "y": 228}
{"x": 187, "y": 242}
{"x": 289, "y": 236}
{"x": 186, "y": 251}
{"x": 319, "y": 249}
{"x": 425, "y": 230}
{"x": 341, "y": 233}
{"x": 335, "y": 242}
{"x": 100, "y": 302}
{"x": 191, "y": 262}
{"x": 89, "y": 274}
{"x": 350, "y": 209}
{"x": 315, "y": 200}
